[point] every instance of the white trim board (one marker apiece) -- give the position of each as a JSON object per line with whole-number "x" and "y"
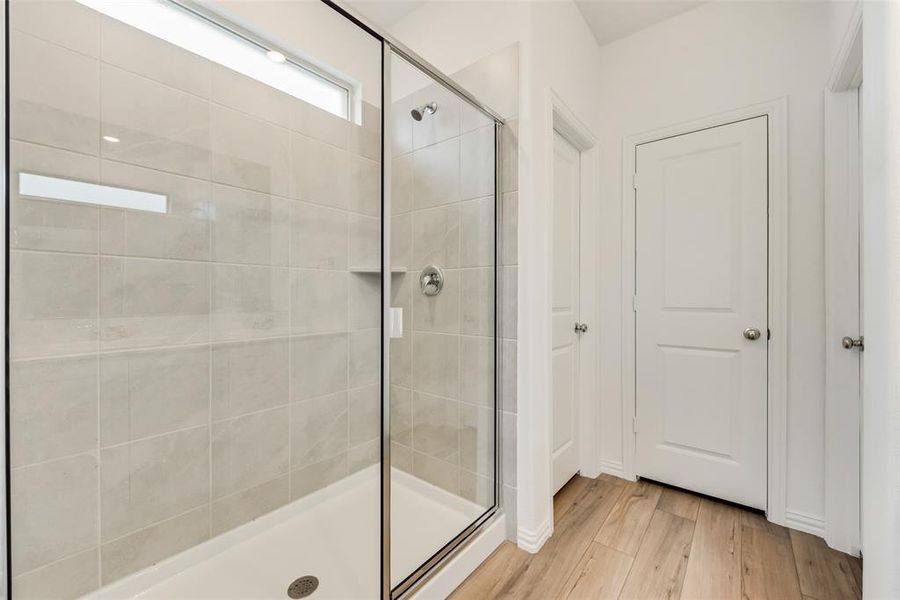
{"x": 776, "y": 111}
{"x": 843, "y": 198}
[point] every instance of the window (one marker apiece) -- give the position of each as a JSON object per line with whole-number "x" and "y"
{"x": 231, "y": 47}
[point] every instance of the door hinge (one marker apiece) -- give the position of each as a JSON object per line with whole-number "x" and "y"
{"x": 768, "y": 334}
{"x": 634, "y": 180}
{"x": 634, "y": 424}
{"x": 634, "y": 303}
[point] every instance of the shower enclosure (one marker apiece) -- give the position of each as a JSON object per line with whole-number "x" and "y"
{"x": 252, "y": 303}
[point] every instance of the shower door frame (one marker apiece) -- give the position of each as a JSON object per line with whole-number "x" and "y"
{"x": 390, "y": 48}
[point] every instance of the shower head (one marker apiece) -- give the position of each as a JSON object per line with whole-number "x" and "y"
{"x": 426, "y": 109}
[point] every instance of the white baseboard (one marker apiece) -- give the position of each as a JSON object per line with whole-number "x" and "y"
{"x": 532, "y": 541}
{"x": 448, "y": 578}
{"x": 806, "y": 523}
{"x": 614, "y": 468}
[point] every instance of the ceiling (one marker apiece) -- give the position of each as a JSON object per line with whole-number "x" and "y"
{"x": 609, "y": 20}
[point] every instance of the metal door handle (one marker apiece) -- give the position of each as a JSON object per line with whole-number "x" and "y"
{"x": 752, "y": 333}
{"x": 849, "y": 343}
{"x": 581, "y": 327}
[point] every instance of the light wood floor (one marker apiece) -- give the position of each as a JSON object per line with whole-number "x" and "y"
{"x": 621, "y": 539}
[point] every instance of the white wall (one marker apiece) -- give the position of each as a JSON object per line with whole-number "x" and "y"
{"x": 881, "y": 276}
{"x": 718, "y": 57}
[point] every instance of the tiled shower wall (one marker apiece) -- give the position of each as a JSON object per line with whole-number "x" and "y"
{"x": 176, "y": 375}
{"x": 443, "y": 213}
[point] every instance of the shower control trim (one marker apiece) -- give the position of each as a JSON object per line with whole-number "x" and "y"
{"x": 431, "y": 280}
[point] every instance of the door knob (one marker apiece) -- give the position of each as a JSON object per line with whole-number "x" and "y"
{"x": 581, "y": 327}
{"x": 752, "y": 333}
{"x": 849, "y": 343}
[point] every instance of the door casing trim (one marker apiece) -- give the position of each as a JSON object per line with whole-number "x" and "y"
{"x": 777, "y": 112}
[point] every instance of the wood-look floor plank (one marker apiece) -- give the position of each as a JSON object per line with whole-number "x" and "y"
{"x": 759, "y": 521}
{"x": 824, "y": 573}
{"x": 660, "y": 564}
{"x": 569, "y": 495}
{"x": 547, "y": 572}
{"x": 767, "y": 566}
{"x": 600, "y": 575}
{"x": 680, "y": 503}
{"x": 495, "y": 575}
{"x": 626, "y": 524}
{"x": 714, "y": 567}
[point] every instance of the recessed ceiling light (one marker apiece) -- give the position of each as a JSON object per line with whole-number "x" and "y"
{"x": 111, "y": 139}
{"x": 275, "y": 56}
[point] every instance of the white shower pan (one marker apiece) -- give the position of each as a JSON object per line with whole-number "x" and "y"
{"x": 333, "y": 534}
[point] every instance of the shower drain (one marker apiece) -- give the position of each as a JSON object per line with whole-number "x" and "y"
{"x": 303, "y": 586}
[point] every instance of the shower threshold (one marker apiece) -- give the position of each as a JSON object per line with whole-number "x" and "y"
{"x": 332, "y": 534}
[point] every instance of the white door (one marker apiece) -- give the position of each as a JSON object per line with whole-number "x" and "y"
{"x": 701, "y": 299}
{"x": 565, "y": 305}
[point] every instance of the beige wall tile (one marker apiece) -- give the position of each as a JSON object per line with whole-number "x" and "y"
{"x": 477, "y": 304}
{"x": 509, "y": 298}
{"x": 365, "y": 357}
{"x": 249, "y": 227}
{"x": 476, "y": 488}
{"x": 363, "y": 456}
{"x": 250, "y": 153}
{"x": 476, "y": 439}
{"x": 137, "y": 52}
{"x": 509, "y": 373}
{"x": 402, "y": 457}
{"x": 401, "y": 241}
{"x": 318, "y": 475}
{"x": 69, "y": 24}
{"x": 440, "y": 126}
{"x": 53, "y": 409}
{"x": 365, "y": 186}
{"x": 318, "y": 237}
{"x": 401, "y": 126}
{"x": 249, "y": 96}
{"x": 436, "y": 238}
{"x": 319, "y": 301}
{"x": 365, "y": 242}
{"x": 401, "y": 415}
{"x": 244, "y": 506}
{"x": 37, "y": 224}
{"x": 436, "y": 364}
{"x": 318, "y": 429}
{"x": 319, "y": 124}
{"x": 53, "y": 304}
{"x": 476, "y": 163}
{"x": 477, "y": 233}
{"x": 54, "y": 95}
{"x": 365, "y": 140}
{"x": 159, "y": 127}
{"x": 436, "y": 427}
{"x": 365, "y": 300}
{"x": 249, "y": 376}
{"x": 148, "y": 546}
{"x": 147, "y": 302}
{"x": 54, "y": 511}
{"x": 508, "y": 451}
{"x": 436, "y": 174}
{"x": 509, "y": 156}
{"x": 320, "y": 172}
{"x": 476, "y": 371}
{"x": 153, "y": 479}
{"x": 182, "y": 232}
{"x": 401, "y": 360}
{"x": 402, "y": 184}
{"x": 438, "y": 313}
{"x": 69, "y": 578}
{"x": 149, "y": 393}
{"x": 249, "y": 302}
{"x": 249, "y": 450}
{"x": 365, "y": 414}
{"x": 319, "y": 365}
{"x": 436, "y": 472}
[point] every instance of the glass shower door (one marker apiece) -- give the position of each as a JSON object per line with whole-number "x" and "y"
{"x": 443, "y": 366}
{"x": 195, "y": 308}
